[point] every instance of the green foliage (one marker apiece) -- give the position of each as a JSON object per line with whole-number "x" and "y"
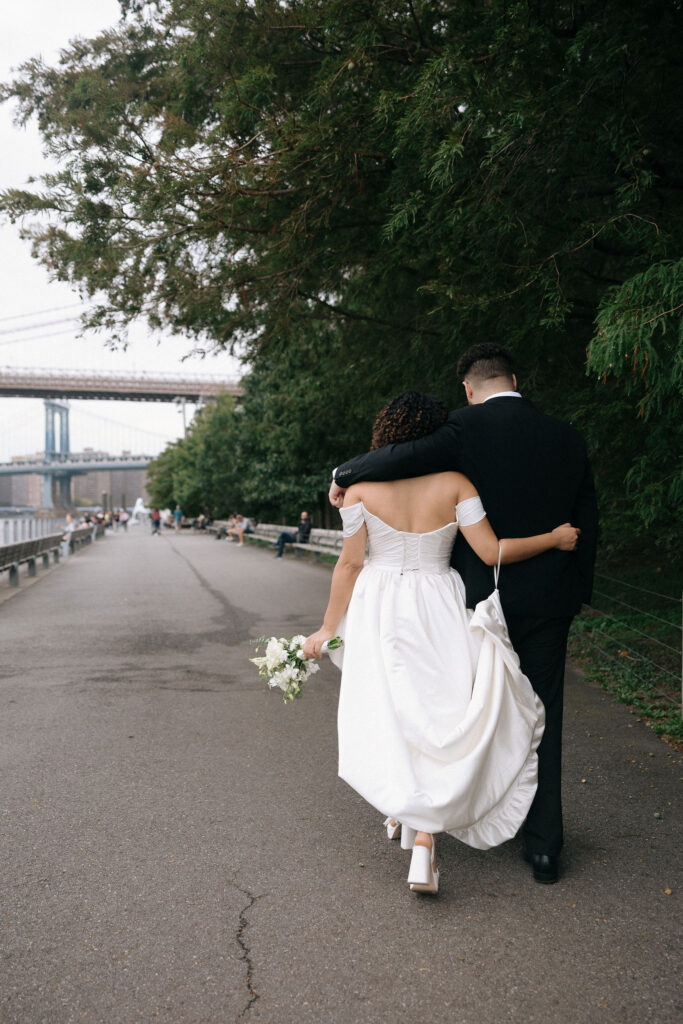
{"x": 171, "y": 478}
{"x": 348, "y": 193}
{"x": 639, "y": 340}
{"x": 197, "y": 472}
{"x": 638, "y": 347}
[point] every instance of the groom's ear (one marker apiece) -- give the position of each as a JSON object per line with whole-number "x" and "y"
{"x": 468, "y": 391}
{"x": 514, "y": 382}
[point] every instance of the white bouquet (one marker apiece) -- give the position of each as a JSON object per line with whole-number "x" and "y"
{"x": 284, "y": 664}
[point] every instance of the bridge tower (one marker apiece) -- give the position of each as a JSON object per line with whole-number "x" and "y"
{"x": 55, "y": 410}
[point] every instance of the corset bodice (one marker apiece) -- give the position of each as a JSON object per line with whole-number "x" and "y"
{"x": 401, "y": 551}
{"x": 408, "y": 552}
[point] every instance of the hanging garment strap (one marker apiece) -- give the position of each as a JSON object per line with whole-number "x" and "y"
{"x": 496, "y": 571}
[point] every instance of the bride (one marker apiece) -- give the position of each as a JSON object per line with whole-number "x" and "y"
{"x": 438, "y": 728}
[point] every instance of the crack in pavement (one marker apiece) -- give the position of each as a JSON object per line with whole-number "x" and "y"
{"x": 245, "y": 954}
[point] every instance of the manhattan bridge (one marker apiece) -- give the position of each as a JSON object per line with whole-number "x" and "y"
{"x": 57, "y": 464}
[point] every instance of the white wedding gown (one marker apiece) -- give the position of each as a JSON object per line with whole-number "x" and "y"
{"x": 438, "y": 727}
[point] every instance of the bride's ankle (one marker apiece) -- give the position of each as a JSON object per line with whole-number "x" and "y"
{"x": 423, "y": 839}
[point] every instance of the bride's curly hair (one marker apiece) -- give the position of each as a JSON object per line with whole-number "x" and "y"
{"x": 407, "y": 417}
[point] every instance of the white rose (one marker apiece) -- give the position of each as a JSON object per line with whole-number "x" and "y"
{"x": 275, "y": 654}
{"x": 278, "y": 680}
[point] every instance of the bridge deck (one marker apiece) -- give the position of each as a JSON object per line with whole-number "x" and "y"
{"x": 70, "y": 465}
{"x": 115, "y": 386}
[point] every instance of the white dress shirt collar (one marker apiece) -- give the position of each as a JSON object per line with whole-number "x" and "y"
{"x": 502, "y": 394}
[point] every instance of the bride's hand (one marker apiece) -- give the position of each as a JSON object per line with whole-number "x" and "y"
{"x": 566, "y": 537}
{"x": 336, "y": 495}
{"x": 314, "y": 642}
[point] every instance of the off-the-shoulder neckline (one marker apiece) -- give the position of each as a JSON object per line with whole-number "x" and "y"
{"x": 410, "y": 533}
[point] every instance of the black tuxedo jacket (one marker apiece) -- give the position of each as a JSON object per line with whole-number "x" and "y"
{"x": 532, "y": 474}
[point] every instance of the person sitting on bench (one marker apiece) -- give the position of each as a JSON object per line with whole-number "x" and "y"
{"x": 241, "y": 526}
{"x": 301, "y": 536}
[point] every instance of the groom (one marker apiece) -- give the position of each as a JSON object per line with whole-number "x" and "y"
{"x": 532, "y": 474}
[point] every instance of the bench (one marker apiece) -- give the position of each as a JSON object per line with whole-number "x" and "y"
{"x": 27, "y": 551}
{"x": 322, "y": 543}
{"x": 216, "y": 526}
{"x": 267, "y": 533}
{"x": 84, "y": 535}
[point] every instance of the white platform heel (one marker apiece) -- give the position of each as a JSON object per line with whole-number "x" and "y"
{"x": 407, "y": 837}
{"x": 395, "y": 830}
{"x": 423, "y": 876}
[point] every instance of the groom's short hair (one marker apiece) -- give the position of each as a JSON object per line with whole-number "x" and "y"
{"x": 485, "y": 362}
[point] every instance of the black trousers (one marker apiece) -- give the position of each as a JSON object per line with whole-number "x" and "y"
{"x": 542, "y": 648}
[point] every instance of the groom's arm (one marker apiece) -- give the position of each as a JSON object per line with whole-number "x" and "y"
{"x": 436, "y": 453}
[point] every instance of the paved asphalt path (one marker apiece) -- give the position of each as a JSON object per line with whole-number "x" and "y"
{"x": 176, "y": 846}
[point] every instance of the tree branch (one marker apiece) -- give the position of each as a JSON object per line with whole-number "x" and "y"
{"x": 665, "y": 313}
{"x": 349, "y": 315}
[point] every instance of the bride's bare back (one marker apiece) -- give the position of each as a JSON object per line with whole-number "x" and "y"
{"x": 418, "y": 505}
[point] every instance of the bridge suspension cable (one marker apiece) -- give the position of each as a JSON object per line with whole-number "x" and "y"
{"x": 87, "y": 414}
{"x": 38, "y": 337}
{"x": 35, "y": 327}
{"x": 20, "y": 434}
{"x": 41, "y": 312}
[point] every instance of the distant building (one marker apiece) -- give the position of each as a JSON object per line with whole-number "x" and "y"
{"x": 6, "y": 491}
{"x": 127, "y": 485}
{"x": 89, "y": 487}
{"x": 26, "y": 490}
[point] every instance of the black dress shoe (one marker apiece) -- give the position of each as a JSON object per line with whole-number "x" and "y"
{"x": 544, "y": 867}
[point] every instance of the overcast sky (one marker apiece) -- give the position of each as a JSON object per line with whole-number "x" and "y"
{"x": 29, "y": 28}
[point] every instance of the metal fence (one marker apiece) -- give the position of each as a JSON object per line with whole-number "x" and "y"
{"x": 649, "y": 641}
{"x": 17, "y": 528}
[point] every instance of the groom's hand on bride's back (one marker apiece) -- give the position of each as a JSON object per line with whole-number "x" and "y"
{"x": 566, "y": 537}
